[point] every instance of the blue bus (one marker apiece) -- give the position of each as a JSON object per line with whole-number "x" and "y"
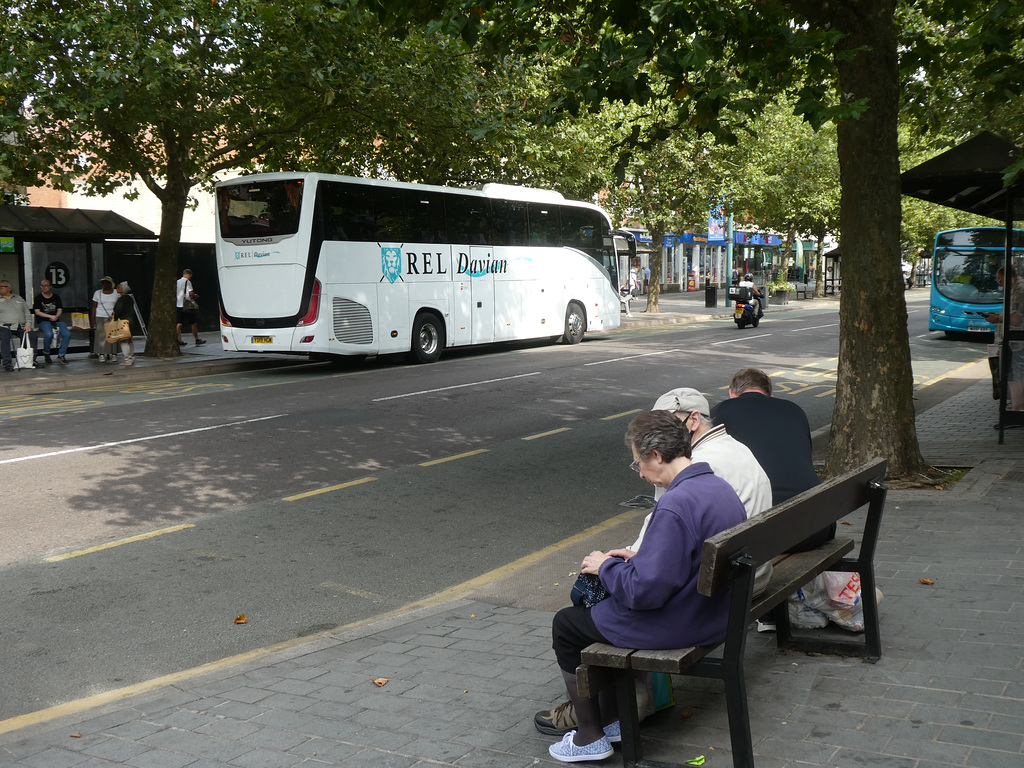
{"x": 964, "y": 286}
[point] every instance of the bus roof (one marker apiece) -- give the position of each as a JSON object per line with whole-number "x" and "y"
{"x": 490, "y": 190}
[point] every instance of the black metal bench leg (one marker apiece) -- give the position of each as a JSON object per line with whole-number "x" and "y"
{"x": 869, "y": 602}
{"x": 629, "y": 719}
{"x": 739, "y": 717}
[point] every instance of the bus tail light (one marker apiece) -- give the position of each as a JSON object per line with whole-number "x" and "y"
{"x": 306, "y": 339}
{"x": 223, "y": 320}
{"x": 314, "y": 306}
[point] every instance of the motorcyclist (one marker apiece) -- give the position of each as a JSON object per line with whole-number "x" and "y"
{"x": 748, "y": 282}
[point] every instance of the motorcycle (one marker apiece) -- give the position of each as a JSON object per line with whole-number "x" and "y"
{"x": 746, "y": 312}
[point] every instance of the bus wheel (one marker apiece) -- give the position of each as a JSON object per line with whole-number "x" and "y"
{"x": 575, "y": 324}
{"x": 427, "y": 337}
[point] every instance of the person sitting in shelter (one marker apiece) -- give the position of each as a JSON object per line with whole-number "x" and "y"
{"x": 48, "y": 308}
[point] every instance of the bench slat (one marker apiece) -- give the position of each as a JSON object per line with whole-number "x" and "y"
{"x": 673, "y": 661}
{"x": 607, "y": 655}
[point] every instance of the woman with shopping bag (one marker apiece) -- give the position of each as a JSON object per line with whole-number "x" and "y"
{"x": 15, "y": 321}
{"x": 100, "y": 311}
{"x": 123, "y": 309}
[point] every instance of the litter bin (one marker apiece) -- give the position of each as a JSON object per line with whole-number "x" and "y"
{"x": 710, "y": 295}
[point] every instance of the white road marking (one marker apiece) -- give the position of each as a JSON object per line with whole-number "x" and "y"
{"x": 741, "y": 338}
{"x": 634, "y": 357}
{"x": 454, "y": 386}
{"x": 98, "y": 446}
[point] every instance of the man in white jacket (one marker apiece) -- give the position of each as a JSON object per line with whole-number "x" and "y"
{"x": 730, "y": 459}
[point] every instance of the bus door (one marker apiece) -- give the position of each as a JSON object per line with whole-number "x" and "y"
{"x": 482, "y": 282}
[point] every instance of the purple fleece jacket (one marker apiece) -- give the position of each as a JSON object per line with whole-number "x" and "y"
{"x": 654, "y": 601}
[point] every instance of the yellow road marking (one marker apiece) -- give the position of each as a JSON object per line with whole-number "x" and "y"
{"x": 349, "y": 484}
{"x": 547, "y": 434}
{"x": 348, "y": 590}
{"x": 452, "y": 593}
{"x": 453, "y": 458}
{"x": 937, "y": 379}
{"x": 620, "y": 415}
{"x": 118, "y": 543}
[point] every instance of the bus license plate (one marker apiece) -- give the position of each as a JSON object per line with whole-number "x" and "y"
{"x": 262, "y": 339}
{"x": 976, "y": 328}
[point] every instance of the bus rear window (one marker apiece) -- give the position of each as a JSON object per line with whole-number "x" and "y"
{"x": 265, "y": 209}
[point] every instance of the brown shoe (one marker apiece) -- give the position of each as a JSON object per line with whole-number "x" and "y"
{"x": 558, "y": 721}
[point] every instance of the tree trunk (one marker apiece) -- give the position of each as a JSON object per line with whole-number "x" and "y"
{"x": 658, "y": 243}
{"x": 819, "y": 264}
{"x": 874, "y": 410}
{"x": 163, "y": 337}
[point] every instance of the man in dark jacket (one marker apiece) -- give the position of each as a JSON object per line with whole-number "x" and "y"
{"x": 777, "y": 433}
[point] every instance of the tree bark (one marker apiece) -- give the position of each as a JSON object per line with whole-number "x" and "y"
{"x": 162, "y": 341}
{"x": 874, "y": 410}
{"x": 654, "y": 289}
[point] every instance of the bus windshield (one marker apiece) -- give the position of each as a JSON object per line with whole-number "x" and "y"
{"x": 968, "y": 275}
{"x": 264, "y": 209}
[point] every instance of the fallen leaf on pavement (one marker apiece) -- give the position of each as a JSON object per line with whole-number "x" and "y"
{"x": 380, "y": 682}
{"x": 76, "y": 735}
{"x": 240, "y": 619}
{"x": 845, "y": 522}
{"x": 926, "y": 581}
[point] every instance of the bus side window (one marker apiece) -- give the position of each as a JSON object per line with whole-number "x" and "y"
{"x": 509, "y": 218}
{"x": 389, "y": 207}
{"x": 467, "y": 220}
{"x": 426, "y": 217}
{"x": 581, "y": 228}
{"x": 346, "y": 211}
{"x": 544, "y": 224}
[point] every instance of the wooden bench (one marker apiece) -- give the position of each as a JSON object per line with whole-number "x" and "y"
{"x": 728, "y": 562}
{"x": 802, "y": 289}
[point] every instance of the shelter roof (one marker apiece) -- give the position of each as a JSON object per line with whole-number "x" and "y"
{"x": 969, "y": 177}
{"x": 69, "y": 223}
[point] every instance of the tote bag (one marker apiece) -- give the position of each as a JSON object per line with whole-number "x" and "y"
{"x": 26, "y": 355}
{"x": 117, "y": 330}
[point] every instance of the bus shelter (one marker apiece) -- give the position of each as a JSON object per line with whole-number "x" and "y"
{"x": 971, "y": 177}
{"x": 72, "y": 248}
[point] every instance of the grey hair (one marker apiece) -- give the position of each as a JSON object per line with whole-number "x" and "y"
{"x": 659, "y": 431}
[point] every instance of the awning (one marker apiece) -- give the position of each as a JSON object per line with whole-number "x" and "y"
{"x": 30, "y": 221}
{"x": 969, "y": 177}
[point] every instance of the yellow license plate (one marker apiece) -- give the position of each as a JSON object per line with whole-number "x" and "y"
{"x": 262, "y": 339}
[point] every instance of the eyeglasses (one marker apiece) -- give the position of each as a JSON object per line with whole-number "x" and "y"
{"x": 635, "y": 466}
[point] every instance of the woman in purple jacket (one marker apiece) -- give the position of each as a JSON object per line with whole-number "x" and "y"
{"x": 653, "y": 600}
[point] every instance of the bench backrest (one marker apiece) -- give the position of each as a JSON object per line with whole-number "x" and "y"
{"x": 773, "y": 532}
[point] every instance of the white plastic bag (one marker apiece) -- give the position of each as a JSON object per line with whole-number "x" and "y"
{"x": 832, "y": 596}
{"x": 26, "y": 355}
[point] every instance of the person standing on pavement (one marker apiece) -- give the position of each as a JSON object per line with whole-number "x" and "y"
{"x": 647, "y": 279}
{"x": 100, "y": 311}
{"x": 1015, "y": 382}
{"x": 185, "y": 316}
{"x": 48, "y": 307}
{"x": 15, "y": 321}
{"x": 123, "y": 309}
{"x": 778, "y": 434}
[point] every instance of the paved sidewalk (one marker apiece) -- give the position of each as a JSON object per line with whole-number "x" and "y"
{"x": 466, "y": 672}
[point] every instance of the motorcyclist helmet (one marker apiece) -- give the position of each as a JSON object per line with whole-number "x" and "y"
{"x": 748, "y": 276}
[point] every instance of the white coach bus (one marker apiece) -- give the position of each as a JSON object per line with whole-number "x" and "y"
{"x": 333, "y": 265}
